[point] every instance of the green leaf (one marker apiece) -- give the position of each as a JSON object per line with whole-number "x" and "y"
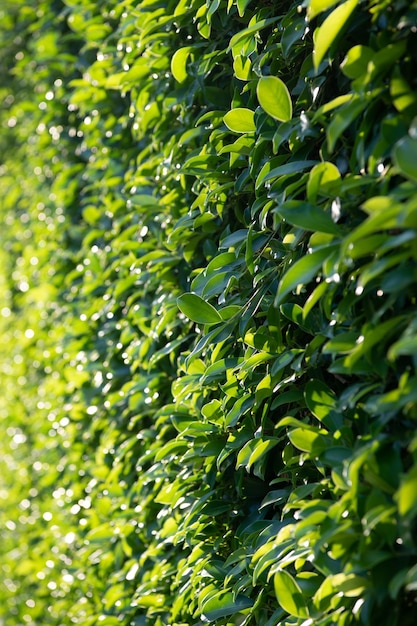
{"x": 303, "y": 271}
{"x": 240, "y": 407}
{"x": 223, "y": 604}
{"x": 321, "y": 401}
{"x": 356, "y": 61}
{"x": 308, "y": 441}
{"x": 197, "y": 309}
{"x": 371, "y": 337}
{"x": 405, "y": 345}
{"x": 289, "y": 594}
{"x": 342, "y": 343}
{"x": 253, "y": 451}
{"x": 240, "y": 120}
{"x": 307, "y": 216}
{"x": 274, "y": 98}
{"x": 242, "y": 35}
{"x": 405, "y": 157}
{"x": 318, "y": 6}
{"x": 241, "y": 6}
{"x": 179, "y": 63}
{"x": 232, "y": 310}
{"x": 348, "y": 585}
{"x": 403, "y": 96}
{"x": 242, "y": 67}
{"x": 406, "y": 496}
{"x": 330, "y": 29}
{"x": 286, "y": 169}
{"x": 344, "y": 117}
{"x": 324, "y": 179}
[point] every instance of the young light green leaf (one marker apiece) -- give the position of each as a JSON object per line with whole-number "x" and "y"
{"x": 197, "y": 309}
{"x": 307, "y": 441}
{"x": 323, "y": 179}
{"x": 356, "y": 61}
{"x": 318, "y": 6}
{"x": 241, "y": 6}
{"x": 242, "y": 67}
{"x": 289, "y": 594}
{"x": 274, "y": 98}
{"x": 179, "y": 63}
{"x": 242, "y": 35}
{"x": 240, "y": 120}
{"x": 331, "y": 28}
{"x": 303, "y": 271}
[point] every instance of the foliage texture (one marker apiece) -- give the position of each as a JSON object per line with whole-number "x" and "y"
{"x": 208, "y": 330}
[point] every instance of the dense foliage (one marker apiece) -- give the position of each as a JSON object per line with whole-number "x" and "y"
{"x": 207, "y": 332}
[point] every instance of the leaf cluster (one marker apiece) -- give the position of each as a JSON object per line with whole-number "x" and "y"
{"x": 208, "y": 337}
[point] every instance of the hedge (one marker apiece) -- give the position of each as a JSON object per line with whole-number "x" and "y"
{"x": 208, "y": 329}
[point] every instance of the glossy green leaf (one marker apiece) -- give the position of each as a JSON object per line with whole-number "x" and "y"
{"x": 315, "y": 7}
{"x": 289, "y": 594}
{"x": 224, "y": 604}
{"x": 240, "y": 408}
{"x": 308, "y": 441}
{"x": 242, "y": 67}
{"x": 343, "y": 585}
{"x": 356, "y": 61}
{"x": 342, "y": 343}
{"x": 241, "y": 6}
{"x": 321, "y": 401}
{"x": 240, "y": 120}
{"x": 308, "y": 216}
{"x": 197, "y": 309}
{"x": 331, "y": 29}
{"x": 274, "y": 98}
{"x": 179, "y": 63}
{"x": 403, "y": 96}
{"x": 268, "y": 173}
{"x": 253, "y": 451}
{"x": 324, "y": 179}
{"x": 302, "y": 272}
{"x": 236, "y": 42}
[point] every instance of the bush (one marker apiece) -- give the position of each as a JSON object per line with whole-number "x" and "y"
{"x": 208, "y": 336}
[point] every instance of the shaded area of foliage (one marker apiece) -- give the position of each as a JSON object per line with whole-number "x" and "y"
{"x": 208, "y": 332}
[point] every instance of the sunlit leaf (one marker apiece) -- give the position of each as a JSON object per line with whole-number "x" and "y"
{"x": 240, "y": 120}
{"x": 324, "y": 179}
{"x": 179, "y": 63}
{"x": 302, "y": 272}
{"x": 331, "y": 28}
{"x": 356, "y": 61}
{"x": 289, "y": 594}
{"x": 274, "y": 98}
{"x": 224, "y": 604}
{"x": 197, "y": 309}
{"x": 316, "y": 7}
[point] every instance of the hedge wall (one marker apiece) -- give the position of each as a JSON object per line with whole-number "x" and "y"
{"x": 207, "y": 332}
